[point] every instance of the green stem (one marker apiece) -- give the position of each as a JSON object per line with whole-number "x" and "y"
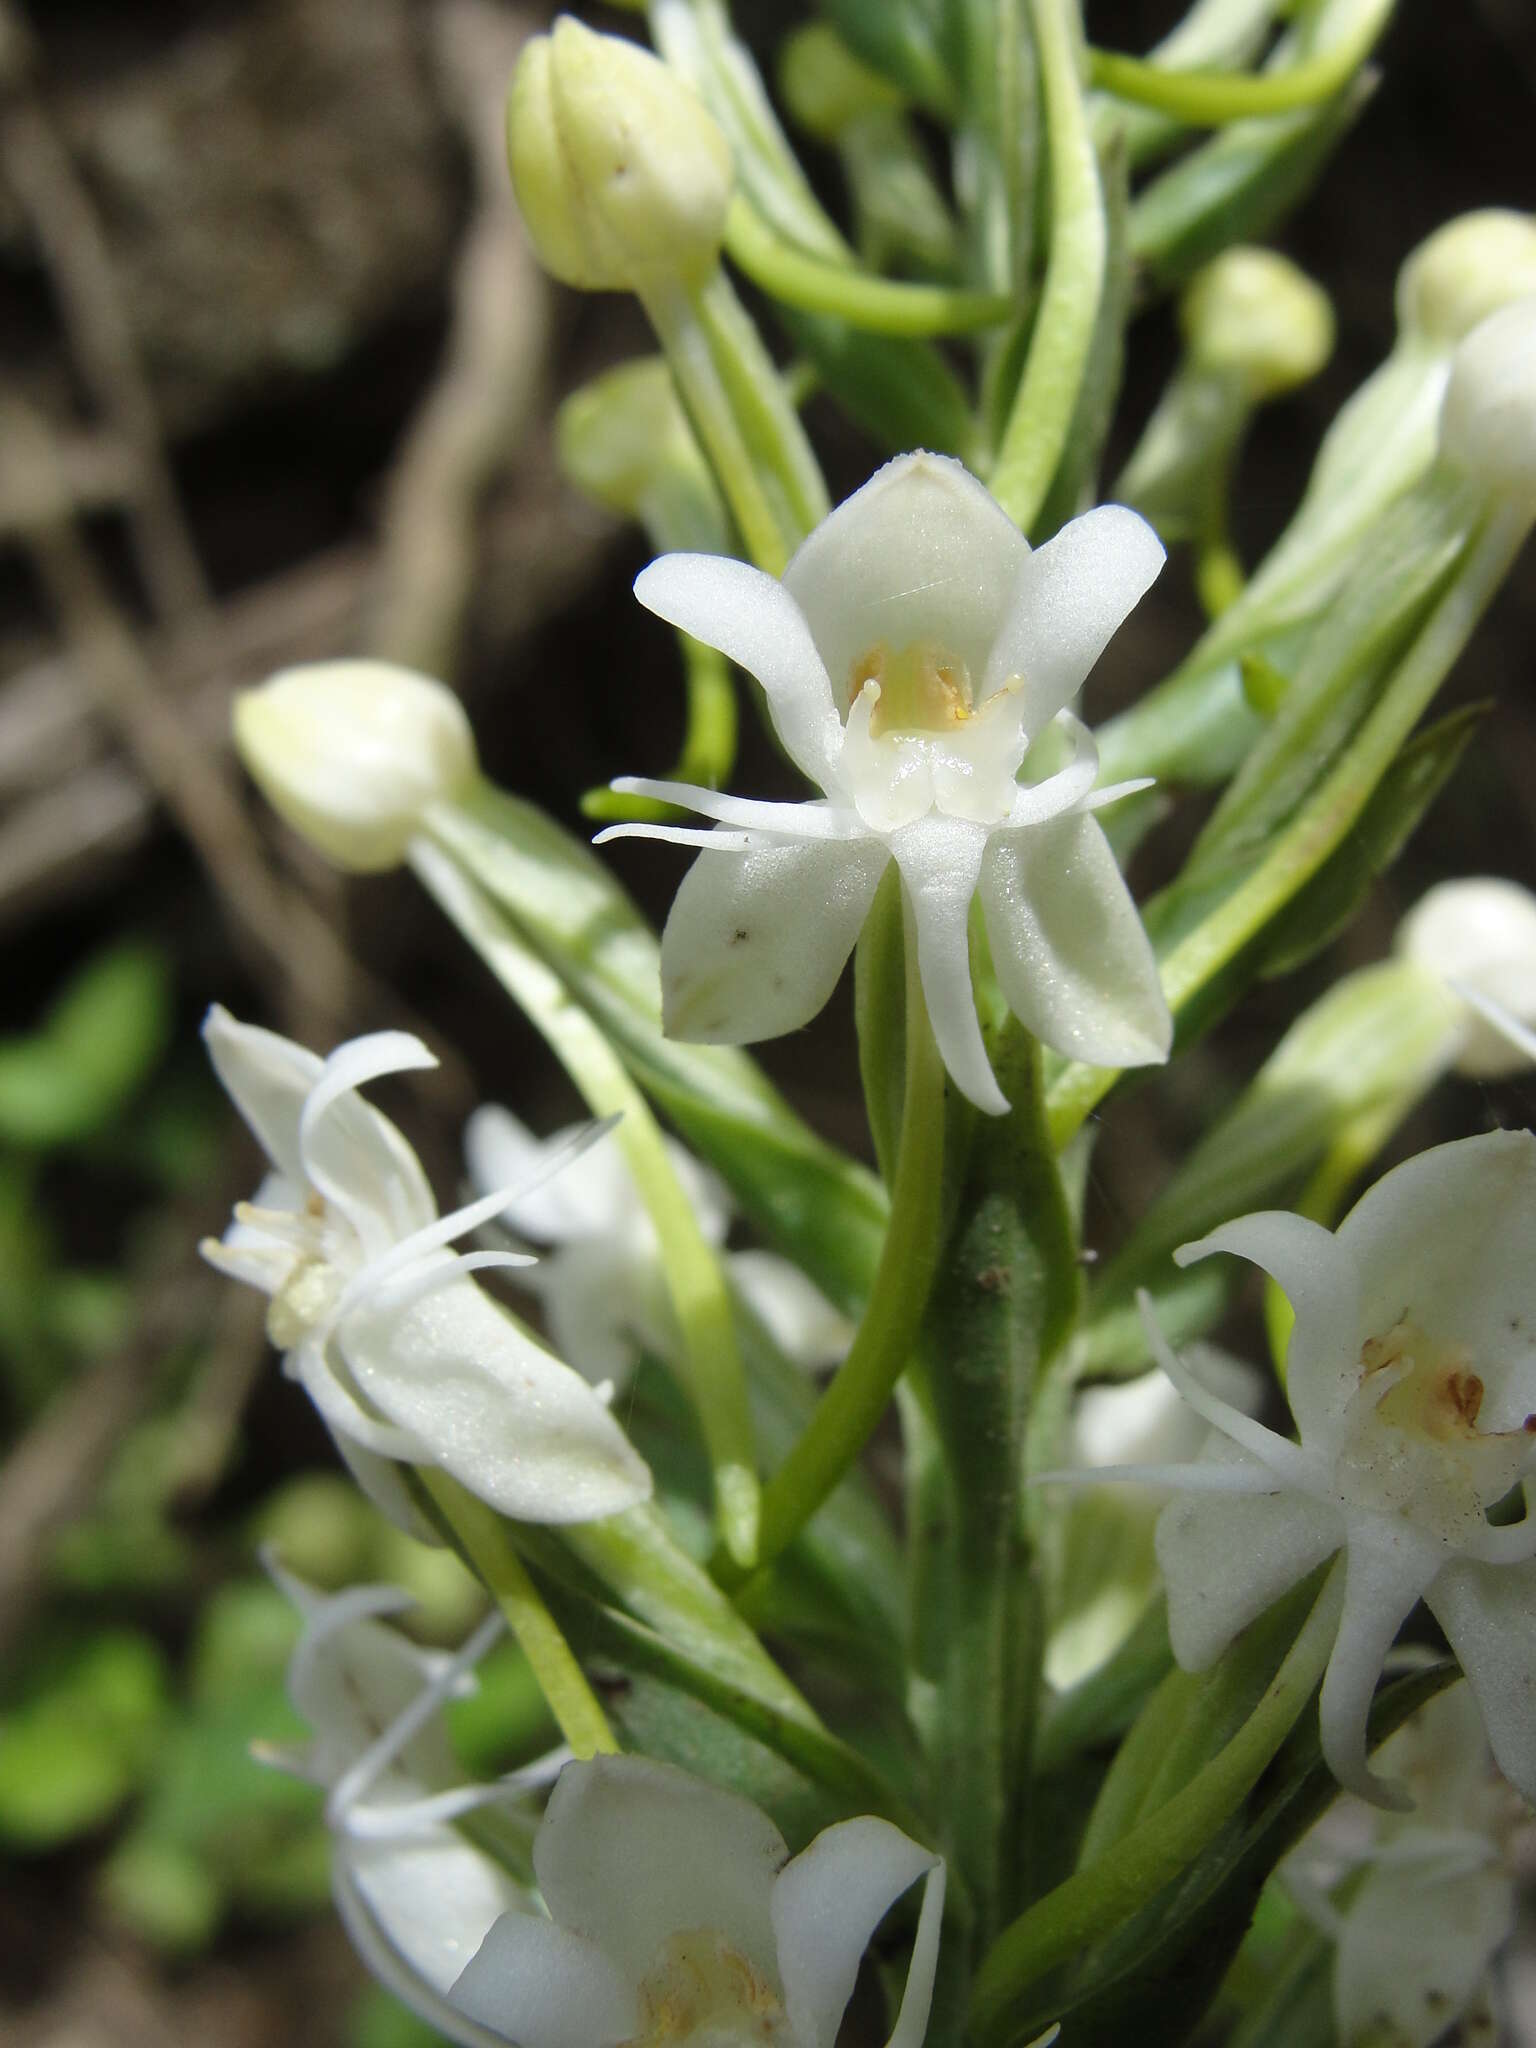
{"x": 879, "y": 305}
{"x": 852, "y": 1405}
{"x": 1208, "y": 99}
{"x": 488, "y": 1547}
{"x": 1101, "y": 1895}
{"x": 1300, "y": 850}
{"x": 709, "y": 1359}
{"x": 1037, "y": 428}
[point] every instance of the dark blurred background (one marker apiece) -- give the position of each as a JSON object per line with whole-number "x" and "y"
{"x": 276, "y": 381}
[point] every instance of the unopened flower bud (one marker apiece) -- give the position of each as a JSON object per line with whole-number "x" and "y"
{"x": 1465, "y": 271}
{"x": 622, "y": 174}
{"x": 1252, "y": 314}
{"x": 351, "y": 752}
{"x": 1479, "y": 935}
{"x": 1488, "y": 418}
{"x": 625, "y": 440}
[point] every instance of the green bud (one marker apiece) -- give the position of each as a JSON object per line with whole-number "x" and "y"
{"x": 1253, "y": 315}
{"x": 826, "y": 87}
{"x": 622, "y": 174}
{"x": 1465, "y": 271}
{"x": 1488, "y": 418}
{"x": 350, "y": 753}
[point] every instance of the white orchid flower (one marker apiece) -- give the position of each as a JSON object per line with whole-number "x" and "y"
{"x": 416, "y": 1897}
{"x": 1478, "y": 935}
{"x": 1412, "y": 1377}
{"x": 914, "y": 653}
{"x": 602, "y": 1284}
{"x": 1416, "y": 1935}
{"x": 404, "y": 1356}
{"x": 677, "y": 1914}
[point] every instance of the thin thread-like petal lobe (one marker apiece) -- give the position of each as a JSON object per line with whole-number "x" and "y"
{"x": 1488, "y": 1613}
{"x": 755, "y": 942}
{"x": 747, "y": 814}
{"x": 1321, "y": 1283}
{"x": 1386, "y": 1571}
{"x": 1068, "y": 947}
{"x": 1288, "y": 1462}
{"x": 922, "y": 553}
{"x": 940, "y": 859}
{"x": 542, "y": 1986}
{"x": 1071, "y": 597}
{"x": 826, "y": 1906}
{"x": 756, "y": 622}
{"x": 632, "y": 1851}
{"x": 1225, "y": 1560}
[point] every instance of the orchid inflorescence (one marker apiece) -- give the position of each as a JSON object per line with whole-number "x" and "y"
{"x": 1033, "y": 1750}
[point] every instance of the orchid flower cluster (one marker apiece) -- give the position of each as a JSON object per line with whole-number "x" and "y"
{"x": 1016, "y": 1722}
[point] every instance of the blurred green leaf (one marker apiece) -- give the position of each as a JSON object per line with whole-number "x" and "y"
{"x": 161, "y": 1894}
{"x": 81, "y": 1738}
{"x": 94, "y": 1051}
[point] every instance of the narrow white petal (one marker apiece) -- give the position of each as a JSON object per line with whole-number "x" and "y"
{"x": 1318, "y": 1278}
{"x": 1386, "y": 1570}
{"x": 1412, "y": 1951}
{"x": 1197, "y": 1478}
{"x": 354, "y": 1156}
{"x": 921, "y": 553}
{"x": 797, "y": 1315}
{"x": 1069, "y": 600}
{"x": 1068, "y": 946}
{"x": 585, "y": 1198}
{"x": 1069, "y": 788}
{"x": 267, "y": 1077}
{"x": 1225, "y": 1561}
{"x": 542, "y": 1986}
{"x": 756, "y": 622}
{"x": 488, "y": 1404}
{"x": 749, "y": 814}
{"x": 690, "y": 835}
{"x": 755, "y": 942}
{"x": 632, "y": 1851}
{"x": 940, "y": 859}
{"x": 1444, "y": 1241}
{"x": 451, "y": 1677}
{"x": 826, "y": 1906}
{"x": 1288, "y": 1462}
{"x": 1488, "y": 1613}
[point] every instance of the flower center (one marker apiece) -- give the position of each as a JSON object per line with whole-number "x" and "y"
{"x": 923, "y": 687}
{"x": 702, "y": 1991}
{"x": 1412, "y": 1445}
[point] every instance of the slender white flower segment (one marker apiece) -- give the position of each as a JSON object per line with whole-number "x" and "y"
{"x": 403, "y": 1354}
{"x": 915, "y": 651}
{"x": 1412, "y": 1377}
{"x": 677, "y": 1915}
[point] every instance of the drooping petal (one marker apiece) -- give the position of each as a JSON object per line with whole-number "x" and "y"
{"x": 755, "y": 941}
{"x": 1070, "y": 597}
{"x": 492, "y": 1407}
{"x": 1318, "y": 1278}
{"x": 940, "y": 860}
{"x": 354, "y": 1156}
{"x": 1388, "y": 1564}
{"x": 1444, "y": 1242}
{"x": 1413, "y": 1950}
{"x": 922, "y": 553}
{"x": 826, "y": 1905}
{"x": 1488, "y": 1613}
{"x": 1069, "y": 949}
{"x": 632, "y": 1852}
{"x": 542, "y": 1986}
{"x": 1225, "y": 1560}
{"x": 434, "y": 1897}
{"x": 267, "y": 1077}
{"x": 1289, "y": 1464}
{"x": 797, "y": 1315}
{"x": 756, "y": 622}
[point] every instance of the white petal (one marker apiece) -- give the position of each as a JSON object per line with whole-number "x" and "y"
{"x": 602, "y": 1309}
{"x": 504, "y": 1416}
{"x": 922, "y": 552}
{"x": 1318, "y": 1278}
{"x": 1413, "y": 1950}
{"x": 1289, "y": 1463}
{"x": 541, "y": 1986}
{"x": 354, "y": 1156}
{"x": 1478, "y": 934}
{"x": 755, "y": 941}
{"x": 1070, "y": 598}
{"x": 589, "y": 1195}
{"x": 434, "y": 1897}
{"x": 267, "y": 1077}
{"x": 756, "y": 622}
{"x": 940, "y": 859}
{"x": 383, "y": 1482}
{"x": 827, "y": 1904}
{"x": 1069, "y": 949}
{"x": 1388, "y": 1564}
{"x": 1225, "y": 1560}
{"x": 1444, "y": 1240}
{"x": 390, "y": 1968}
{"x": 1488, "y": 1613}
{"x": 632, "y": 1852}
{"x": 797, "y": 1315}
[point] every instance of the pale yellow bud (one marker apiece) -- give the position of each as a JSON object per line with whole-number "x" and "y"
{"x": 622, "y": 173}
{"x": 350, "y": 753}
{"x": 1465, "y": 271}
{"x": 1488, "y": 418}
{"x": 1252, "y": 314}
